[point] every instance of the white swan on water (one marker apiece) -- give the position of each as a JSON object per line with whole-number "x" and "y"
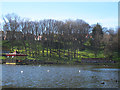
{"x": 48, "y": 70}
{"x": 39, "y": 65}
{"x": 21, "y": 71}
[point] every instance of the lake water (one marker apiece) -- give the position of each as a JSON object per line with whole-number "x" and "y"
{"x": 59, "y": 76}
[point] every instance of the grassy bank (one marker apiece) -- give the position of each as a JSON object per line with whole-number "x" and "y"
{"x": 39, "y": 52}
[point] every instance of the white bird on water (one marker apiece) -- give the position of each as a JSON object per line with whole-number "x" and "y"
{"x": 48, "y": 70}
{"x": 21, "y": 71}
{"x": 79, "y": 70}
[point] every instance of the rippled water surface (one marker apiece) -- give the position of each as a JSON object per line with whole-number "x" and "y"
{"x": 59, "y": 76}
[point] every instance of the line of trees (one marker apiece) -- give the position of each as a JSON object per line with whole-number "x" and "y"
{"x": 59, "y": 36}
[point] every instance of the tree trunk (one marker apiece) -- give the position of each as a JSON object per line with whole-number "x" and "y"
{"x": 64, "y": 52}
{"x": 71, "y": 55}
{"x": 59, "y": 52}
{"x": 74, "y": 54}
{"x": 68, "y": 54}
{"x": 43, "y": 52}
{"x": 50, "y": 52}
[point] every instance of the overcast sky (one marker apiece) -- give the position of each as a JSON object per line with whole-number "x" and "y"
{"x": 105, "y": 13}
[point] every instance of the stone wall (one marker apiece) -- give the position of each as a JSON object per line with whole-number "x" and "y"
{"x": 96, "y": 60}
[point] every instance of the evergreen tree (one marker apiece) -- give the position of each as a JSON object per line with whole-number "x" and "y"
{"x": 97, "y": 34}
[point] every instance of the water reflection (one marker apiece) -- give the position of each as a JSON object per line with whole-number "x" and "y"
{"x": 61, "y": 76}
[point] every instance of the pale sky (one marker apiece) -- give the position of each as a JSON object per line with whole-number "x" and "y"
{"x": 105, "y": 13}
